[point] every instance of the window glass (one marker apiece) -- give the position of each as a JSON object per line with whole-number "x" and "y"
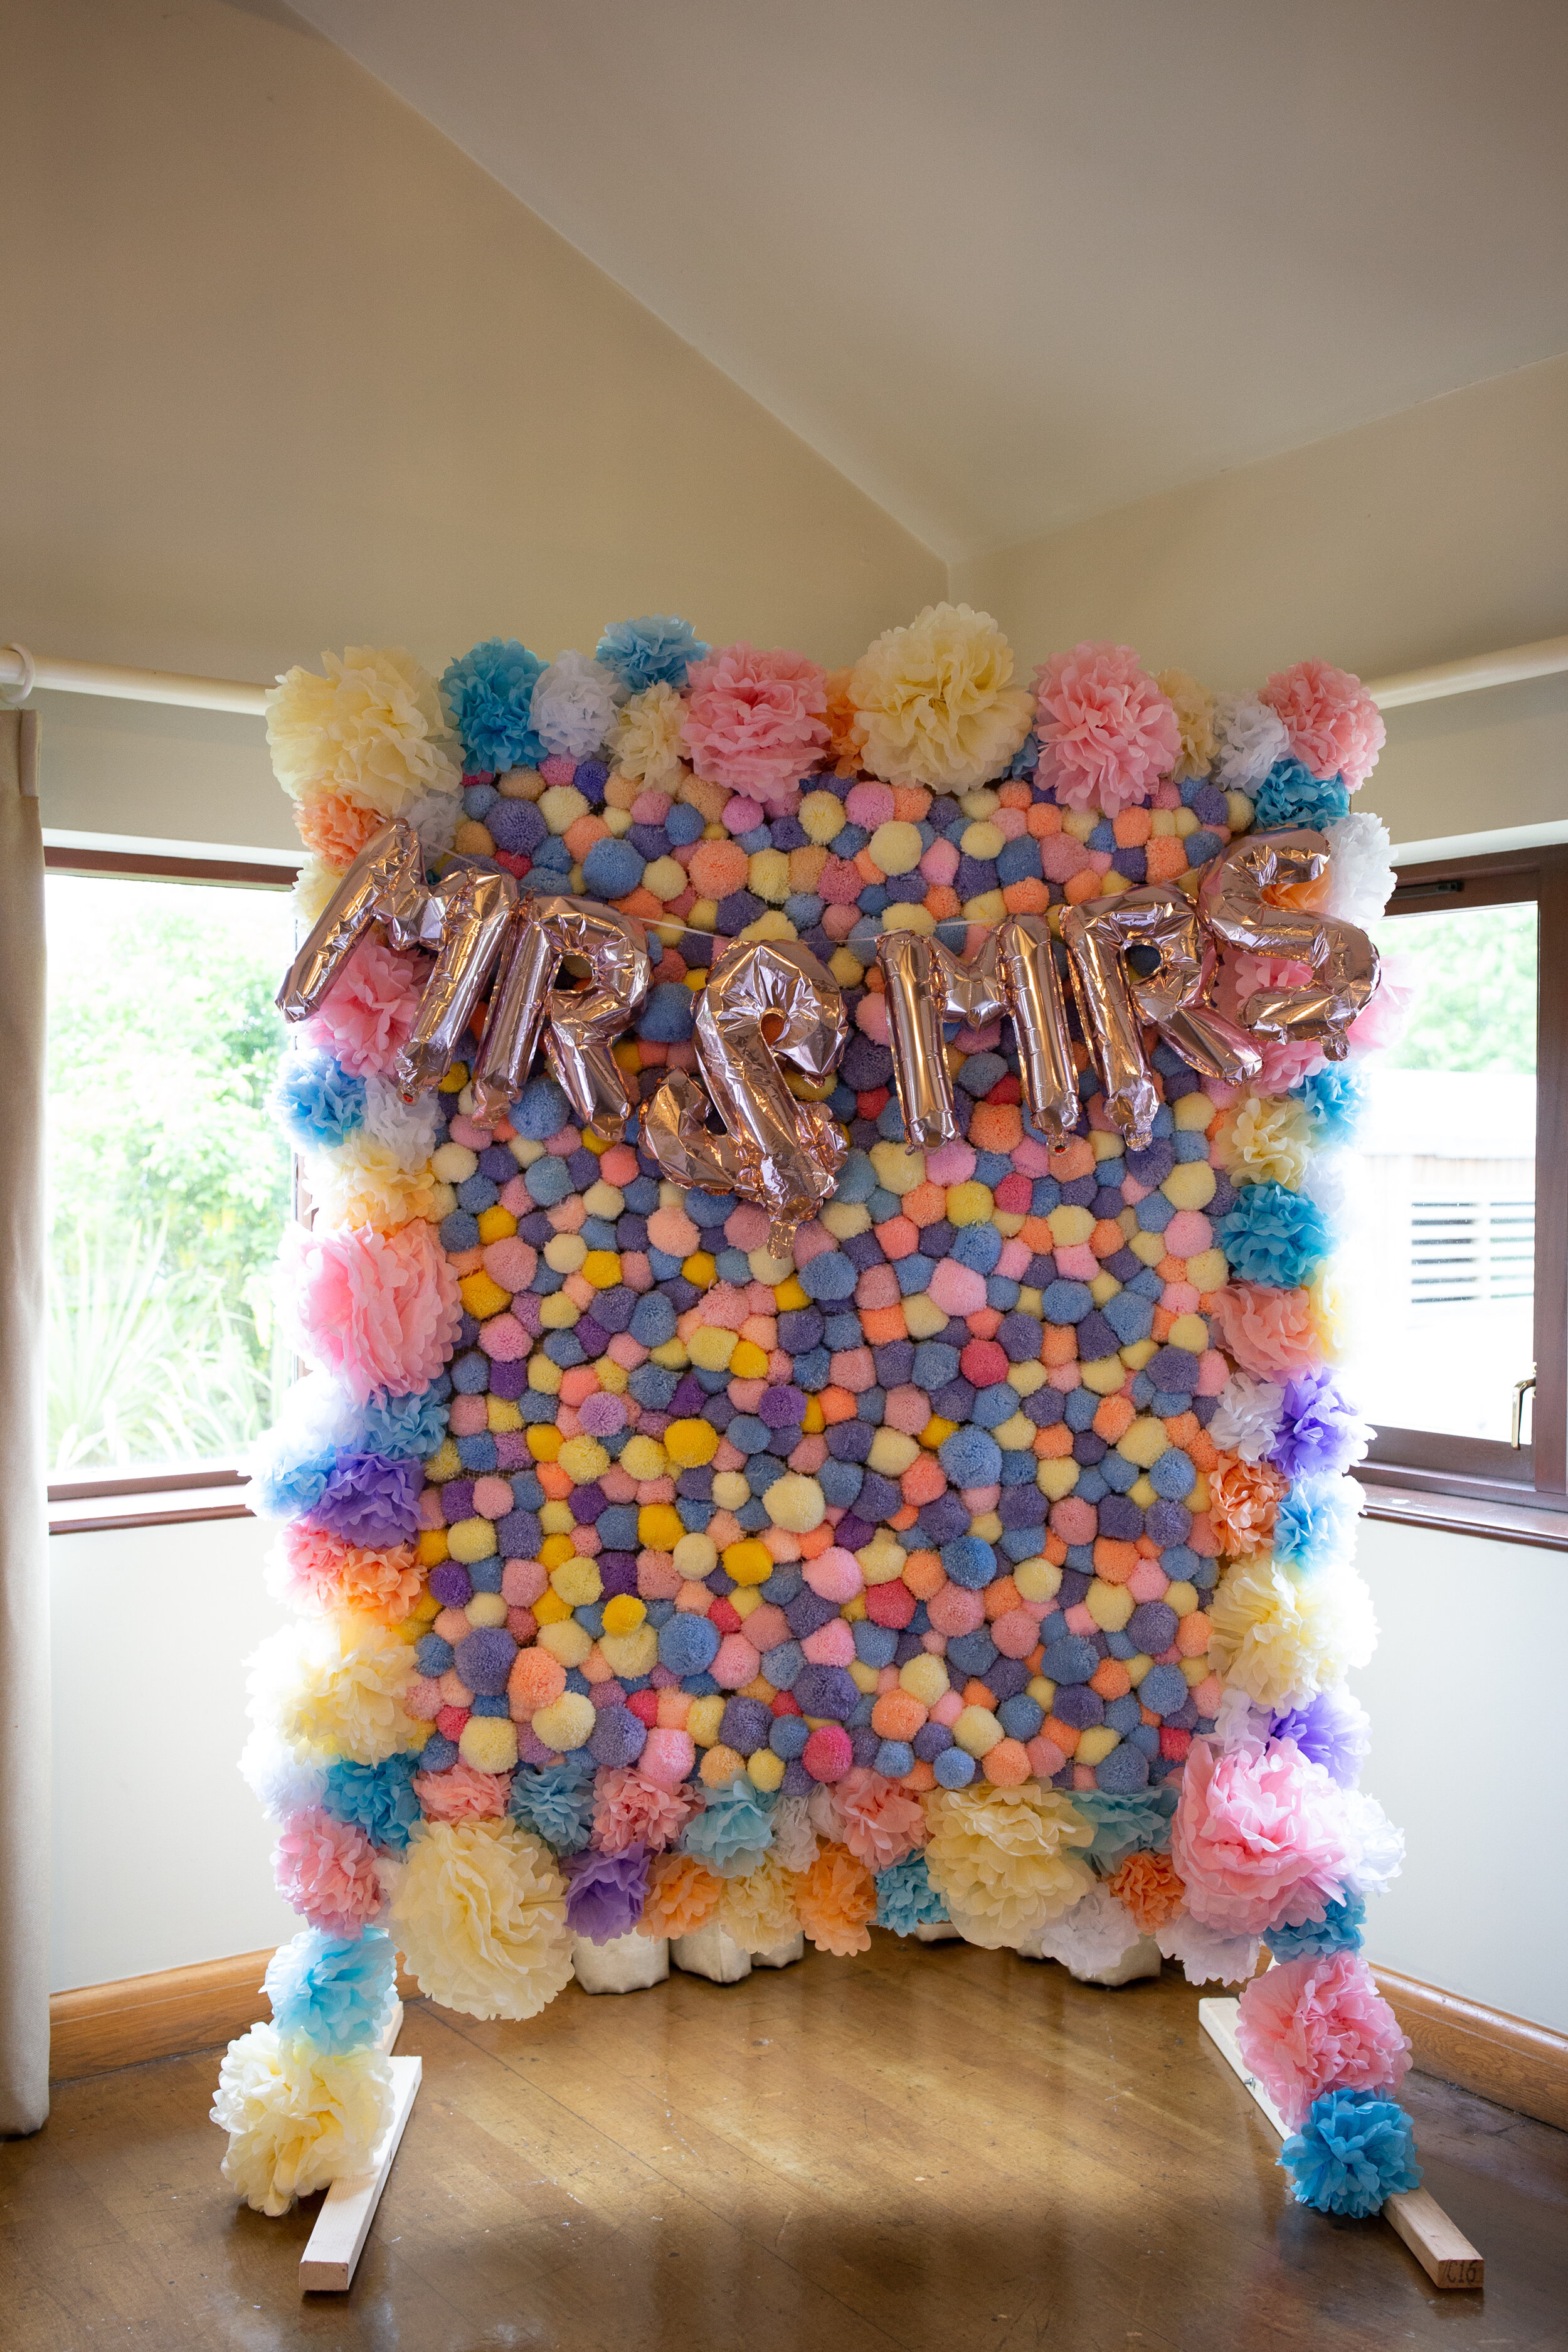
{"x": 169, "y": 1183}
{"x": 1448, "y": 1283}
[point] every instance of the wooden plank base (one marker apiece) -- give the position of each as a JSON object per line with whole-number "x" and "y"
{"x": 1444, "y": 2252}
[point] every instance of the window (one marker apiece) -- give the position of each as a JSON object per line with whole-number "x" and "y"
{"x": 169, "y": 1183}
{"x": 1462, "y": 1342}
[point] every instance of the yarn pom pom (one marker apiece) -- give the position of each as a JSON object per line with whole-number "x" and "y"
{"x": 325, "y": 1870}
{"x": 490, "y": 690}
{"x": 316, "y": 1571}
{"x": 1248, "y": 739}
{"x": 682, "y": 1896}
{"x": 1259, "y": 1839}
{"x": 758, "y": 1911}
{"x": 298, "y": 2118}
{"x": 372, "y": 727}
{"x": 1341, "y": 1929}
{"x": 646, "y": 740}
{"x": 1320, "y": 1432}
{"x": 1001, "y": 1859}
{"x": 1318, "y": 2025}
{"x": 318, "y": 1104}
{"x": 379, "y": 1310}
{"x": 1108, "y": 735}
{"x": 557, "y": 1803}
{"x": 655, "y": 650}
{"x": 1353, "y": 2151}
{"x": 378, "y": 1799}
{"x": 836, "y": 1901}
{"x": 605, "y": 1893}
{"x": 1125, "y": 1824}
{"x": 363, "y": 1021}
{"x": 877, "y": 1820}
{"x": 1316, "y": 1523}
{"x": 336, "y": 1990}
{"x": 1091, "y": 1937}
{"x": 755, "y": 721}
{"x": 1148, "y": 1886}
{"x": 479, "y": 1915}
{"x": 630, "y": 1811}
{"x": 1332, "y": 1730}
{"x": 732, "y": 1832}
{"x": 574, "y": 707}
{"x": 334, "y": 1686}
{"x": 906, "y": 1899}
{"x": 935, "y": 703}
{"x": 1332, "y": 724}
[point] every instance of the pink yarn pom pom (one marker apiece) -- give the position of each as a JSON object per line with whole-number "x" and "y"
{"x": 1108, "y": 735}
{"x": 325, "y": 1870}
{"x": 1334, "y": 726}
{"x": 1319, "y": 2024}
{"x": 879, "y": 1821}
{"x": 462, "y": 1794}
{"x": 755, "y": 718}
{"x": 380, "y": 1311}
{"x": 668, "y": 1756}
{"x": 1271, "y": 1333}
{"x": 363, "y": 1020}
{"x": 1261, "y": 1840}
{"x": 629, "y": 1809}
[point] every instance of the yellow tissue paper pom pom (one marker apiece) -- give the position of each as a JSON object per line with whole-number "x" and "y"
{"x": 366, "y": 1183}
{"x": 479, "y": 1915}
{"x": 936, "y": 701}
{"x": 1003, "y": 1859}
{"x": 374, "y": 725}
{"x": 1264, "y": 1142}
{"x": 334, "y": 1686}
{"x": 297, "y": 2118}
{"x": 1280, "y": 1639}
{"x": 758, "y": 1910}
{"x": 1193, "y": 707}
{"x": 645, "y": 741}
{"x": 567, "y": 1721}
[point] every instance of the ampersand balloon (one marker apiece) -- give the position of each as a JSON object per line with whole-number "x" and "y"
{"x": 1235, "y": 902}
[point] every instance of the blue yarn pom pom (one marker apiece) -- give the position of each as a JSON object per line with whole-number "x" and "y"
{"x": 906, "y": 1899}
{"x": 1341, "y": 1929}
{"x": 1290, "y": 795}
{"x": 318, "y": 1104}
{"x": 1355, "y": 2150}
{"x": 336, "y": 1992}
{"x": 1274, "y": 1236}
{"x": 491, "y": 694}
{"x": 655, "y": 650}
{"x": 734, "y": 1827}
{"x": 378, "y": 1799}
{"x": 557, "y": 1803}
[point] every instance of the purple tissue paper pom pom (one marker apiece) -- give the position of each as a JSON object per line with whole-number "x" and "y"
{"x": 605, "y": 1893}
{"x": 370, "y": 1500}
{"x": 1320, "y": 1430}
{"x": 1332, "y": 1730}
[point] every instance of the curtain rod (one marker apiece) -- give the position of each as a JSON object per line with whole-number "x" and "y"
{"x": 21, "y": 671}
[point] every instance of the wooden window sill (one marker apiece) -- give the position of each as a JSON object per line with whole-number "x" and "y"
{"x": 1467, "y": 1515}
{"x": 90, "y": 1508}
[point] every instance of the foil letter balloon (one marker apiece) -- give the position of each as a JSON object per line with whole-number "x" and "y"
{"x": 1032, "y": 990}
{"x": 464, "y": 920}
{"x": 578, "y": 1026}
{"x": 765, "y": 999}
{"x": 1343, "y": 961}
{"x": 1013, "y": 972}
{"x": 384, "y": 885}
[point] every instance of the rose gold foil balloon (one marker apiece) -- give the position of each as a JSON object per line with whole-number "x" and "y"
{"x": 765, "y": 999}
{"x": 384, "y": 885}
{"x": 465, "y": 920}
{"x": 1032, "y": 991}
{"x": 1343, "y": 960}
{"x": 1013, "y": 973}
{"x": 578, "y": 1026}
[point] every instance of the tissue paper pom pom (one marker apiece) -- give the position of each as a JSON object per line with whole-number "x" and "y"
{"x": 574, "y": 706}
{"x": 318, "y": 1104}
{"x": 1361, "y": 868}
{"x": 758, "y": 1911}
{"x": 364, "y": 1019}
{"x": 335, "y": 825}
{"x": 379, "y": 1310}
{"x": 1108, "y": 735}
{"x": 1318, "y": 2025}
{"x": 1384, "y": 1023}
{"x": 877, "y": 1820}
{"x": 283, "y": 1480}
{"x": 1316, "y": 1523}
{"x": 1378, "y": 1853}
{"x": 325, "y": 1870}
{"x": 682, "y": 1896}
{"x": 645, "y": 741}
{"x": 1259, "y": 1838}
{"x": 378, "y": 1799}
{"x": 313, "y": 887}
{"x": 836, "y": 1901}
{"x": 1248, "y": 739}
{"x": 1150, "y": 1888}
{"x": 1273, "y": 1236}
{"x": 281, "y": 1781}
{"x": 1122, "y": 1824}
{"x": 334, "y": 1686}
{"x": 491, "y": 694}
{"x": 407, "y": 1130}
{"x": 311, "y": 1569}
{"x": 1279, "y": 1640}
{"x": 462, "y": 1794}
{"x": 846, "y": 736}
{"x": 1205, "y": 1958}
{"x": 906, "y": 1899}
{"x": 435, "y": 819}
{"x": 1271, "y": 1333}
{"x": 795, "y": 1839}
{"x": 1335, "y": 1097}
{"x": 605, "y": 1893}
{"x": 1332, "y": 1729}
{"x": 755, "y": 721}
{"x": 1352, "y": 2152}
{"x": 369, "y": 1500}
{"x": 936, "y": 703}
{"x": 338, "y": 1992}
{"x": 1338, "y": 1930}
{"x": 298, "y": 2118}
{"x": 1332, "y": 723}
{"x": 1291, "y": 795}
{"x": 373, "y": 726}
{"x": 557, "y": 1803}
{"x": 1247, "y": 1416}
{"x": 363, "y": 1183}
{"x": 1320, "y": 1432}
{"x": 1092, "y": 1937}
{"x": 1265, "y": 1142}
{"x": 1194, "y": 708}
{"x": 732, "y": 1832}
{"x": 401, "y": 1427}
{"x": 630, "y": 1811}
{"x": 1000, "y": 1858}
{"x": 655, "y": 650}
{"x": 479, "y": 1916}
{"x": 1244, "y": 1497}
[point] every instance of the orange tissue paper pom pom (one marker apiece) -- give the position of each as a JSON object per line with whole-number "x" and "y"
{"x": 682, "y": 1896}
{"x": 836, "y": 1898}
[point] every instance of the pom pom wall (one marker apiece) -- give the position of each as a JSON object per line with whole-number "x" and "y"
{"x": 987, "y": 1561}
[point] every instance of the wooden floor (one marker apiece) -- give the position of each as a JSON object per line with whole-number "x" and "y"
{"x": 930, "y": 2147}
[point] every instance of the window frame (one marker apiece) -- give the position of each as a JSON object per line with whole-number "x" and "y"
{"x": 1474, "y": 1471}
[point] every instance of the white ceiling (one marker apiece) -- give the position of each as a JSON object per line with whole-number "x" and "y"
{"x": 1010, "y": 262}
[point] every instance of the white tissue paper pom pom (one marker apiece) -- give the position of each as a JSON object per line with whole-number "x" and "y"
{"x": 1090, "y": 1938}
{"x": 281, "y": 1783}
{"x": 1205, "y": 1958}
{"x": 1361, "y": 872}
{"x": 1336, "y": 1184}
{"x": 434, "y": 818}
{"x": 1381, "y": 1855}
{"x": 407, "y": 1129}
{"x": 574, "y": 707}
{"x": 1247, "y": 1416}
{"x": 795, "y": 1839}
{"x": 1248, "y": 739}
{"x": 1238, "y": 1724}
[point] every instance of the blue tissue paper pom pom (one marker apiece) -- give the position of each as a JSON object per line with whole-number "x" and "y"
{"x": 285, "y": 1486}
{"x": 732, "y": 1829}
{"x": 1355, "y": 2150}
{"x": 318, "y": 1104}
{"x": 403, "y": 1427}
{"x": 557, "y": 1803}
{"x": 906, "y": 1899}
{"x": 1273, "y": 1236}
{"x": 1139, "y": 1822}
{"x": 1335, "y": 1097}
{"x": 378, "y": 1799}
{"x": 491, "y": 694}
{"x": 336, "y": 1992}
{"x": 1290, "y": 795}
{"x": 1341, "y": 1929}
{"x": 655, "y": 650}
{"x": 1315, "y": 1523}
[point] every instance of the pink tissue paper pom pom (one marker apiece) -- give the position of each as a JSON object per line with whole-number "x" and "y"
{"x": 1318, "y": 2024}
{"x": 1334, "y": 726}
{"x": 1108, "y": 735}
{"x": 1260, "y": 1838}
{"x": 325, "y": 1870}
{"x": 364, "y": 1019}
{"x": 1385, "y": 1021}
{"x": 1271, "y": 1333}
{"x": 379, "y": 1312}
{"x": 755, "y": 718}
{"x": 463, "y": 1793}
{"x": 879, "y": 1821}
{"x": 631, "y": 1810}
